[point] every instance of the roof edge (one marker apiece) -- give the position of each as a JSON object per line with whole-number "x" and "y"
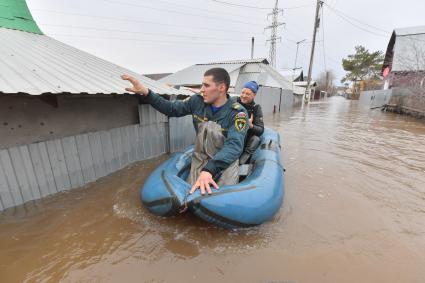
{"x": 241, "y": 61}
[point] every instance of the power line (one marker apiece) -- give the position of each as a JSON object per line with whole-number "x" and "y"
{"x": 357, "y": 20}
{"x": 295, "y": 42}
{"x": 259, "y": 8}
{"x": 199, "y": 9}
{"x": 146, "y": 40}
{"x": 353, "y": 24}
{"x": 179, "y": 12}
{"x": 336, "y": 62}
{"x": 147, "y": 33}
{"x": 146, "y": 22}
{"x": 347, "y": 17}
{"x": 240, "y": 5}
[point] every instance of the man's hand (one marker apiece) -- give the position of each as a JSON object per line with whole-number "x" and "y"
{"x": 203, "y": 182}
{"x": 137, "y": 86}
{"x": 250, "y": 121}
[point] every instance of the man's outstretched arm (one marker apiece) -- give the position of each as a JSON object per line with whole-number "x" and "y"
{"x": 176, "y": 108}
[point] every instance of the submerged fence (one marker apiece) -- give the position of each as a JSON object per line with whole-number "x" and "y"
{"x": 375, "y": 98}
{"x": 33, "y": 171}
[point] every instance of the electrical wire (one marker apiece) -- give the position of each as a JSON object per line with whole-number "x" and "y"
{"x": 180, "y": 12}
{"x": 147, "y": 40}
{"x": 357, "y": 20}
{"x": 200, "y": 9}
{"x": 145, "y": 22}
{"x": 347, "y": 18}
{"x": 240, "y": 5}
{"x": 353, "y": 24}
{"x": 259, "y": 8}
{"x": 194, "y": 37}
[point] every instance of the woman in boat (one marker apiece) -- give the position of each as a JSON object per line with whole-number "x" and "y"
{"x": 256, "y": 124}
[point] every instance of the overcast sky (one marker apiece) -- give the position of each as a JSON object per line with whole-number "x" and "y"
{"x": 156, "y": 36}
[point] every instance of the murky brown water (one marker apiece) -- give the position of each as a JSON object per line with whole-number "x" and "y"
{"x": 354, "y": 212}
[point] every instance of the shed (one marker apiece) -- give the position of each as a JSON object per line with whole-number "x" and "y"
{"x": 65, "y": 117}
{"x": 275, "y": 90}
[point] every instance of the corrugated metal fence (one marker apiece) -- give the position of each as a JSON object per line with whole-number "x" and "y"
{"x": 274, "y": 99}
{"x": 37, "y": 170}
{"x": 375, "y": 98}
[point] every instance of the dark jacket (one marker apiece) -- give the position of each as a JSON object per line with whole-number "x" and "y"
{"x": 258, "y": 124}
{"x": 232, "y": 118}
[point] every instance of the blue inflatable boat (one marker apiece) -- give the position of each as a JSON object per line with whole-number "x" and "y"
{"x": 251, "y": 202}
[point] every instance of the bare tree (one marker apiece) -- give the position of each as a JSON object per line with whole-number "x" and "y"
{"x": 325, "y": 81}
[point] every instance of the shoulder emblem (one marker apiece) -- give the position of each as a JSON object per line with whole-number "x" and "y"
{"x": 236, "y": 106}
{"x": 240, "y": 121}
{"x": 241, "y": 115}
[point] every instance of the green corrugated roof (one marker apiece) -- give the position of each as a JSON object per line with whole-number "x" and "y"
{"x": 14, "y": 14}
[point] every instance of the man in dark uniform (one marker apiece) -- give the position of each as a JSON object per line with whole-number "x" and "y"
{"x": 256, "y": 124}
{"x": 221, "y": 125}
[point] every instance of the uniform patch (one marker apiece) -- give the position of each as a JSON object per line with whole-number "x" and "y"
{"x": 236, "y": 106}
{"x": 199, "y": 118}
{"x": 240, "y": 124}
{"x": 241, "y": 115}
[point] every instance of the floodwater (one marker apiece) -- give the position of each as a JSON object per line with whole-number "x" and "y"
{"x": 354, "y": 211}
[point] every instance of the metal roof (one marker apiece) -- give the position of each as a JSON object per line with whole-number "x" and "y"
{"x": 274, "y": 78}
{"x": 193, "y": 75}
{"x": 240, "y": 72}
{"x": 293, "y": 75}
{"x": 36, "y": 64}
{"x": 410, "y": 30}
{"x": 257, "y": 60}
{"x": 409, "y": 49}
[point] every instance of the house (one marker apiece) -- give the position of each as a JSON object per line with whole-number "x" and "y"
{"x": 66, "y": 119}
{"x": 300, "y": 88}
{"x": 294, "y": 75}
{"x": 404, "y": 70}
{"x": 275, "y": 90}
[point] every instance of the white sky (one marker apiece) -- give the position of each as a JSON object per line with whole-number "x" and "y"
{"x": 156, "y": 36}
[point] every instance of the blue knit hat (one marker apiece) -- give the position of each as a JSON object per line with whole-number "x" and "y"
{"x": 252, "y": 85}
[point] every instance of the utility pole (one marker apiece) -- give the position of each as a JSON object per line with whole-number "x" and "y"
{"x": 252, "y": 47}
{"x": 313, "y": 44}
{"x": 273, "y": 38}
{"x": 296, "y": 56}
